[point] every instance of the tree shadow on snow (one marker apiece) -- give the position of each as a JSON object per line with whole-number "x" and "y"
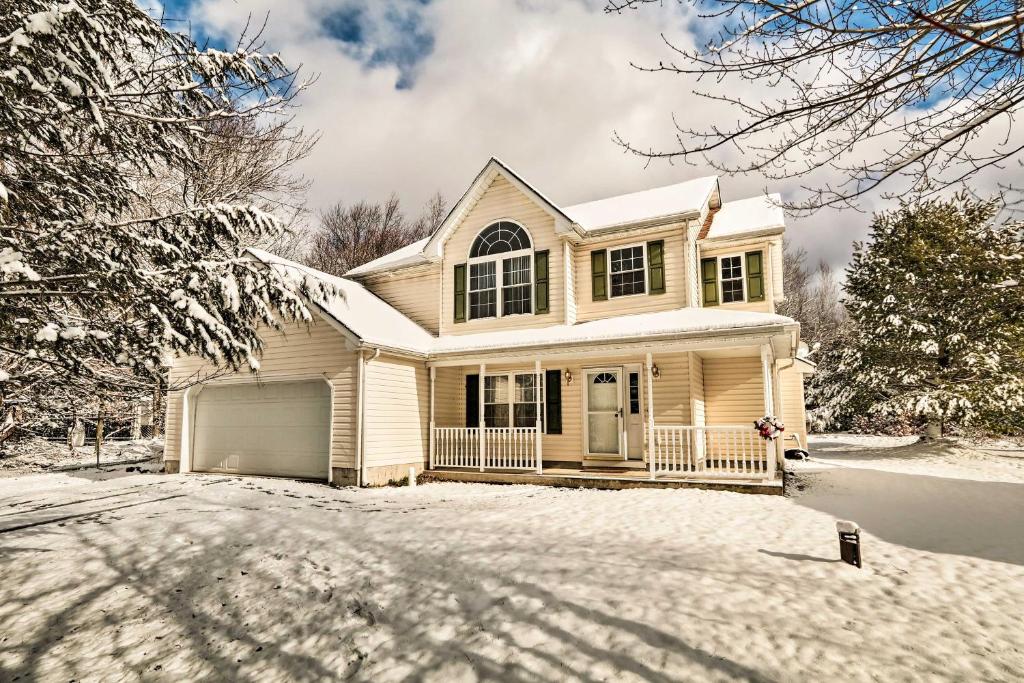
{"x": 935, "y": 514}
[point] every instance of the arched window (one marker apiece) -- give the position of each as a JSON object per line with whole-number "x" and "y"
{"x": 499, "y": 238}
{"x": 500, "y": 272}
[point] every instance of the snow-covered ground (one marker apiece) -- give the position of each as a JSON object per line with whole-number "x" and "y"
{"x": 40, "y": 455}
{"x": 111, "y": 576}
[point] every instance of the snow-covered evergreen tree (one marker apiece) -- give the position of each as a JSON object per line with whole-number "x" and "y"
{"x": 96, "y": 97}
{"x": 937, "y": 315}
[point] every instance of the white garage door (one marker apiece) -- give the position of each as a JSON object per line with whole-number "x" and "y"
{"x": 275, "y": 428}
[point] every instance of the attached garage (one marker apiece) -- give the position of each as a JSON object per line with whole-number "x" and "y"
{"x": 279, "y": 429}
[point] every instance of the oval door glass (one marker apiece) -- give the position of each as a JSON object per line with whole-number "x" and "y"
{"x": 602, "y": 412}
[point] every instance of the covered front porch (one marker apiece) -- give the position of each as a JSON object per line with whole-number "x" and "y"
{"x": 658, "y": 413}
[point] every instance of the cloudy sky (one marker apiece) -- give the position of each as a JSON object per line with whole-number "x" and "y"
{"x": 413, "y": 96}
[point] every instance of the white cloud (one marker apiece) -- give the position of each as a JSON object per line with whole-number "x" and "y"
{"x": 540, "y": 84}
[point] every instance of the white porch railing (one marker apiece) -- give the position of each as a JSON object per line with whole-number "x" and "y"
{"x": 728, "y": 451}
{"x": 504, "y": 448}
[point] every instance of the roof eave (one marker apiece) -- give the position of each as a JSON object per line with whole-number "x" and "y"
{"x": 738, "y": 236}
{"x": 658, "y": 221}
{"x": 746, "y": 330}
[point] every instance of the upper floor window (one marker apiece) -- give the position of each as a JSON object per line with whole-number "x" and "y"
{"x": 628, "y": 272}
{"x": 500, "y": 272}
{"x": 732, "y": 278}
{"x": 500, "y": 238}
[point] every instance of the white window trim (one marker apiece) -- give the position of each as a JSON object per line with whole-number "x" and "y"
{"x": 647, "y": 285}
{"x": 719, "y": 280}
{"x": 511, "y": 403}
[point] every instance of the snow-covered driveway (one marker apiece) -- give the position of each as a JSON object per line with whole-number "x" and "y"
{"x": 187, "y": 577}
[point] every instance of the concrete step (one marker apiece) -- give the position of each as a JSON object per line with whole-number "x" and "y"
{"x": 590, "y": 463}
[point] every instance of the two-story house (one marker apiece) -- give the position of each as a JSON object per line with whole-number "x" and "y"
{"x": 633, "y": 337}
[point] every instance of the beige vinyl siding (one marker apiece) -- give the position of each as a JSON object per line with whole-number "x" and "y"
{"x": 415, "y": 294}
{"x": 733, "y": 390}
{"x": 675, "y": 278}
{"x": 777, "y": 270}
{"x": 766, "y": 306}
{"x": 503, "y": 201}
{"x": 793, "y": 413}
{"x": 397, "y": 411}
{"x": 672, "y": 389}
{"x": 297, "y": 352}
{"x": 569, "y": 288}
{"x": 693, "y": 272}
{"x": 449, "y": 387}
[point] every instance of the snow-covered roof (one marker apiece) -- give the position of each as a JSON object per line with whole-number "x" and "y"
{"x": 377, "y": 323}
{"x": 637, "y": 207}
{"x": 752, "y": 215}
{"x": 360, "y": 311}
{"x": 406, "y": 256}
{"x": 619, "y": 328}
{"x": 622, "y": 211}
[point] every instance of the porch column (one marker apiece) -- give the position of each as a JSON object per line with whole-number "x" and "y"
{"x": 650, "y": 414}
{"x": 538, "y": 443}
{"x": 432, "y": 446}
{"x": 768, "y": 377}
{"x": 481, "y": 445}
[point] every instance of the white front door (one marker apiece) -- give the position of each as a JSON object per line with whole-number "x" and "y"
{"x": 604, "y": 411}
{"x": 633, "y": 407}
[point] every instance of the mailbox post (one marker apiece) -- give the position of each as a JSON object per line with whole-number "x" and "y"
{"x": 849, "y": 542}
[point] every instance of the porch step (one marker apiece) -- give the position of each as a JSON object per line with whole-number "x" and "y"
{"x": 590, "y": 463}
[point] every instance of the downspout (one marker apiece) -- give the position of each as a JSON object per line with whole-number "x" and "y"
{"x": 360, "y": 418}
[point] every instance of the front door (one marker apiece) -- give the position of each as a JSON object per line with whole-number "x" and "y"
{"x": 604, "y": 411}
{"x": 633, "y": 407}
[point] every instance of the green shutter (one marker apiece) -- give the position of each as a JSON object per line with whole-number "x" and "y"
{"x": 472, "y": 400}
{"x": 460, "y": 293}
{"x": 709, "y": 280}
{"x": 553, "y": 401}
{"x": 599, "y": 274}
{"x": 656, "y": 267}
{"x": 540, "y": 265}
{"x": 755, "y": 276}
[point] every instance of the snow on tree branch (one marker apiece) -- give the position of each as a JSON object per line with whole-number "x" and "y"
{"x": 118, "y": 247}
{"x": 889, "y": 94}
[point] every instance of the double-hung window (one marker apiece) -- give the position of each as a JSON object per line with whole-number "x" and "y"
{"x": 510, "y": 408}
{"x": 483, "y": 291}
{"x": 628, "y": 272}
{"x": 515, "y": 285}
{"x": 731, "y": 268}
{"x": 500, "y": 272}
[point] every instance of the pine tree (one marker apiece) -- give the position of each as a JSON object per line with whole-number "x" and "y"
{"x": 97, "y": 99}
{"x": 937, "y": 316}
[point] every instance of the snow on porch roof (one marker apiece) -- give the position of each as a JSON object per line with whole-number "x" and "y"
{"x": 619, "y": 328}
{"x": 377, "y": 323}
